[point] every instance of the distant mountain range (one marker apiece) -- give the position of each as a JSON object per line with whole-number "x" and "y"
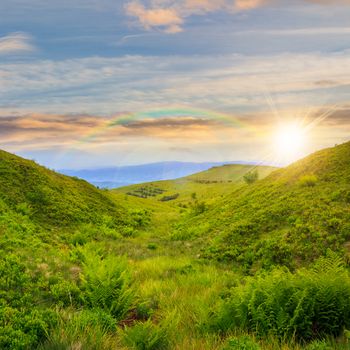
{"x": 114, "y": 177}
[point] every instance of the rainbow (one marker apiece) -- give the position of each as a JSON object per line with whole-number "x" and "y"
{"x": 167, "y": 112}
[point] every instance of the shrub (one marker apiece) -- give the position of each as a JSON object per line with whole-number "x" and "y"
{"x": 65, "y": 293}
{"x": 140, "y": 218}
{"x": 251, "y": 177}
{"x": 169, "y": 198}
{"x": 307, "y": 305}
{"x": 78, "y": 238}
{"x": 152, "y": 246}
{"x": 23, "y": 324}
{"x": 128, "y": 232}
{"x": 199, "y": 208}
{"x": 25, "y": 328}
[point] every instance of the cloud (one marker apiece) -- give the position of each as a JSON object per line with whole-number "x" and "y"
{"x": 15, "y": 43}
{"x": 166, "y": 18}
{"x": 226, "y": 82}
{"x": 181, "y": 128}
{"x": 52, "y": 130}
{"x": 250, "y": 4}
{"x": 37, "y": 130}
{"x": 170, "y": 15}
{"x": 339, "y": 118}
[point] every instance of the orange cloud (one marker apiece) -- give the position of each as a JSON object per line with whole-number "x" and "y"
{"x": 167, "y": 18}
{"x": 169, "y": 15}
{"x": 250, "y": 4}
{"x": 50, "y": 130}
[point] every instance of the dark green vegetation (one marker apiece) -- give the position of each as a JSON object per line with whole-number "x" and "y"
{"x": 146, "y": 191}
{"x": 223, "y": 263}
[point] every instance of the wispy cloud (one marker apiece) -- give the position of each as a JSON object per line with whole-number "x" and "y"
{"x": 15, "y": 43}
{"x": 166, "y": 18}
{"x": 250, "y": 4}
{"x": 170, "y": 15}
{"x": 88, "y": 140}
{"x": 226, "y": 82}
{"x": 54, "y": 130}
{"x": 50, "y": 130}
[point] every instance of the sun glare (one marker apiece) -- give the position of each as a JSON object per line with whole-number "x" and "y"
{"x": 290, "y": 141}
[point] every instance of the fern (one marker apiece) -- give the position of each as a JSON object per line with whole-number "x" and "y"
{"x": 307, "y": 305}
{"x": 107, "y": 283}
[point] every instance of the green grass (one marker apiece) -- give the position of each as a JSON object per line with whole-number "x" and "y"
{"x": 231, "y": 267}
{"x": 52, "y": 199}
{"x": 290, "y": 218}
{"x": 204, "y": 186}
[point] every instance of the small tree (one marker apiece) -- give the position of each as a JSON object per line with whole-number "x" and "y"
{"x": 251, "y": 177}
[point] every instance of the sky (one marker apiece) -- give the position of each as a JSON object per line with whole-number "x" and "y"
{"x": 94, "y": 83}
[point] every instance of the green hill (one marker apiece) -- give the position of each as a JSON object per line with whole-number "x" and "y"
{"x": 49, "y": 198}
{"x": 207, "y": 185}
{"x": 292, "y": 216}
{"x": 230, "y": 173}
{"x": 87, "y": 269}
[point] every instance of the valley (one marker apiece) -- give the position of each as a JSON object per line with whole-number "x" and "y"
{"x": 220, "y": 263}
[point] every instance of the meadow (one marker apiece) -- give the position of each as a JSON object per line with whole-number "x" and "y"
{"x": 226, "y": 264}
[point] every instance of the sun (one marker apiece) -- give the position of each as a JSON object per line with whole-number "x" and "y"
{"x": 290, "y": 141}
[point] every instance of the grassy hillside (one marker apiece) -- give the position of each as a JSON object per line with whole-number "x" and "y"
{"x": 87, "y": 269}
{"x": 207, "y": 185}
{"x": 230, "y": 173}
{"x": 50, "y": 198}
{"x": 292, "y": 216}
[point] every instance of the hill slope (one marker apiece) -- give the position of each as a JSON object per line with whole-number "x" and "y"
{"x": 51, "y": 198}
{"x": 64, "y": 283}
{"x": 293, "y": 215}
{"x": 206, "y": 185}
{"x": 135, "y": 174}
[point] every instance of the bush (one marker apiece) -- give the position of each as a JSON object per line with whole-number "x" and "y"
{"x": 199, "y": 208}
{"x": 141, "y": 218}
{"x": 65, "y": 293}
{"x": 251, "y": 177}
{"x": 23, "y": 324}
{"x": 307, "y": 305}
{"x": 128, "y": 232}
{"x": 152, "y": 246}
{"x": 25, "y": 328}
{"x": 169, "y": 198}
